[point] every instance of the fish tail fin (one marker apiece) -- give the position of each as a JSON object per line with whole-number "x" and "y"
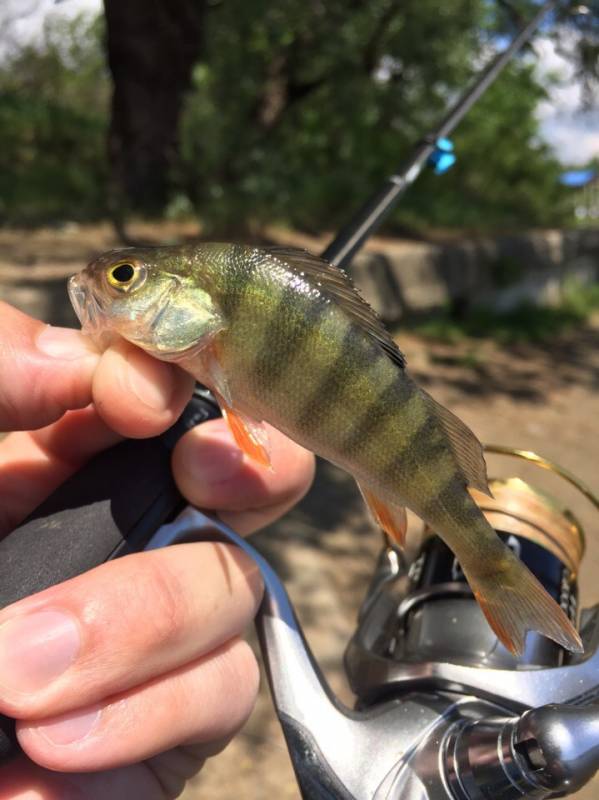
{"x": 514, "y": 602}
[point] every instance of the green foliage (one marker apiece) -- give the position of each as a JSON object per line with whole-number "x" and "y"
{"x": 581, "y": 299}
{"x": 526, "y": 323}
{"x": 504, "y": 177}
{"x": 53, "y": 122}
{"x": 300, "y": 110}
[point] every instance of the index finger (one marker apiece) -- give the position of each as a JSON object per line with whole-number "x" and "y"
{"x": 48, "y": 380}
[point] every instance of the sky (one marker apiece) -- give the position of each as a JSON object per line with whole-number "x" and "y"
{"x": 25, "y": 17}
{"x": 572, "y": 134}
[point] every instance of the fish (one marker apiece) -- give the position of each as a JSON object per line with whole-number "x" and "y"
{"x": 283, "y": 337}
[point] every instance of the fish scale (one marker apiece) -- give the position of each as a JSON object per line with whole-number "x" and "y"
{"x": 283, "y": 337}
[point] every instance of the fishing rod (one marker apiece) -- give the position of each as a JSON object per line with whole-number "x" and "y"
{"x": 370, "y": 216}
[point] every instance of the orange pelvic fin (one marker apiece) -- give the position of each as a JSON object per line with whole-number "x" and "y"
{"x": 392, "y": 519}
{"x": 251, "y": 436}
{"x": 514, "y": 602}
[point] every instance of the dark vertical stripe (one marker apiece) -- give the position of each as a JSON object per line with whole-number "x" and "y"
{"x": 375, "y": 417}
{"x": 449, "y": 495}
{"x": 286, "y": 331}
{"x": 424, "y": 446}
{"x": 326, "y": 394}
{"x": 241, "y": 272}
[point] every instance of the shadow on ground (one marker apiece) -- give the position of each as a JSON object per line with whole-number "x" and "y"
{"x": 522, "y": 371}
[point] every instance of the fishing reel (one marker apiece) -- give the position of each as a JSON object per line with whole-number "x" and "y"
{"x": 422, "y": 638}
{"x": 443, "y": 711}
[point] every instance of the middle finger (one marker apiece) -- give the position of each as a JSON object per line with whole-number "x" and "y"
{"x": 121, "y": 624}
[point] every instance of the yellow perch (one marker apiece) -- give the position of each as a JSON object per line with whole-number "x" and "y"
{"x": 283, "y": 337}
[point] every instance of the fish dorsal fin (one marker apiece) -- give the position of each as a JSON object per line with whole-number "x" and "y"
{"x": 335, "y": 283}
{"x": 465, "y": 446}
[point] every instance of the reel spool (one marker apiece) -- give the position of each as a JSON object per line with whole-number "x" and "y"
{"x": 519, "y": 508}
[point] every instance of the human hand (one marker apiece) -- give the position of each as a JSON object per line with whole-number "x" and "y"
{"x": 125, "y": 679}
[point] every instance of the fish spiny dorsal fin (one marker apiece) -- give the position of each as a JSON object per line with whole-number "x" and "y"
{"x": 465, "y": 446}
{"x": 337, "y": 284}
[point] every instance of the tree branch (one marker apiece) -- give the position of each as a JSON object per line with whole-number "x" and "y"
{"x": 371, "y": 51}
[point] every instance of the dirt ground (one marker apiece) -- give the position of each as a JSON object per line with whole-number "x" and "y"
{"x": 537, "y": 397}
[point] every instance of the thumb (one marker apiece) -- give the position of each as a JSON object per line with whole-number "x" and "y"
{"x": 44, "y": 371}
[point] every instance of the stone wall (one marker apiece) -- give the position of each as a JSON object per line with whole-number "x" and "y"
{"x": 399, "y": 278}
{"x": 410, "y": 279}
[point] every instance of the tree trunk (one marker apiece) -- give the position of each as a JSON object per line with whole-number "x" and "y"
{"x": 152, "y": 46}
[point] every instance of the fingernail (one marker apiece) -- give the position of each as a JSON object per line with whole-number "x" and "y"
{"x": 151, "y": 382}
{"x": 214, "y": 458}
{"x": 69, "y": 728}
{"x": 64, "y": 343}
{"x": 36, "y": 648}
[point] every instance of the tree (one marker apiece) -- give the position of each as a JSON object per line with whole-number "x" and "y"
{"x": 505, "y": 177}
{"x": 151, "y": 49}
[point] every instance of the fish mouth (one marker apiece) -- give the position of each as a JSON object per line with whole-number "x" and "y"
{"x": 77, "y": 296}
{"x": 85, "y": 304}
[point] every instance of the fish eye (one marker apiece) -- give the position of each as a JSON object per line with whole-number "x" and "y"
{"x": 124, "y": 275}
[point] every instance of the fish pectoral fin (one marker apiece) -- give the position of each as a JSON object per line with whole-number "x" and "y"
{"x": 392, "y": 519}
{"x": 214, "y": 376}
{"x": 251, "y": 436}
{"x": 514, "y": 602}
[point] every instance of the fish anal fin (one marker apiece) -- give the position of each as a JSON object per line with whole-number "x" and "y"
{"x": 392, "y": 519}
{"x": 251, "y": 436}
{"x": 514, "y": 602}
{"x": 465, "y": 447}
